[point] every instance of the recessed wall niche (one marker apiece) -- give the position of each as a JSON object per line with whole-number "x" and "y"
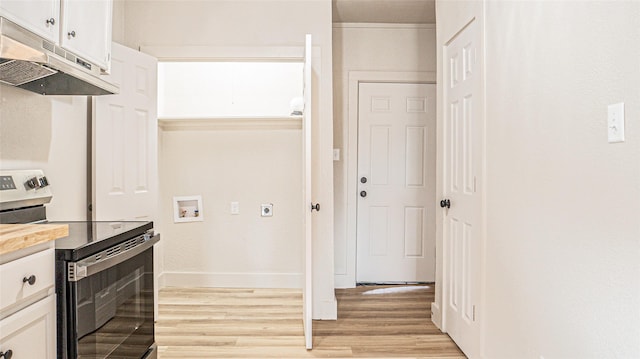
{"x": 187, "y": 209}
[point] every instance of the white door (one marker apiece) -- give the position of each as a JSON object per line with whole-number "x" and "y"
{"x": 125, "y": 141}
{"x": 463, "y": 144}
{"x": 396, "y": 183}
{"x": 307, "y": 292}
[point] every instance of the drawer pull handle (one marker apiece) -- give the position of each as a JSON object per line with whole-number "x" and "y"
{"x": 31, "y": 280}
{"x": 6, "y": 355}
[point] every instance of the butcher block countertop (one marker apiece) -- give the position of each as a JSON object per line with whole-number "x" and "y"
{"x": 14, "y": 237}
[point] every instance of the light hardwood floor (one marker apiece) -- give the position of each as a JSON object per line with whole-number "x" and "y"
{"x": 373, "y": 322}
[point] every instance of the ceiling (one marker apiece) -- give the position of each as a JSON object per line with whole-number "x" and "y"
{"x": 385, "y": 11}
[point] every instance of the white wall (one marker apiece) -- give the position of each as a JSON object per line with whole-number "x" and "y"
{"x": 225, "y": 250}
{"x": 258, "y": 24}
{"x": 48, "y": 133}
{"x": 563, "y": 240}
{"x": 377, "y": 49}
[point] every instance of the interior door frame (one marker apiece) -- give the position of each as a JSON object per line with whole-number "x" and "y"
{"x": 348, "y": 280}
{"x": 265, "y": 54}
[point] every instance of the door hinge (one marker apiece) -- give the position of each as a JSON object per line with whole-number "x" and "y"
{"x": 475, "y": 184}
{"x": 474, "y": 313}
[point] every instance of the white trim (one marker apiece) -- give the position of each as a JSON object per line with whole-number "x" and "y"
{"x": 230, "y": 123}
{"x": 436, "y": 315}
{"x": 230, "y": 280}
{"x": 162, "y": 283}
{"x": 375, "y": 25}
{"x": 226, "y": 53}
{"x": 348, "y": 280}
{"x": 325, "y": 310}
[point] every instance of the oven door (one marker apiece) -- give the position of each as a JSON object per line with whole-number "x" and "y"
{"x": 110, "y": 304}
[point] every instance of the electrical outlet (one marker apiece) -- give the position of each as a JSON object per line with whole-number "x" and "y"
{"x": 266, "y": 210}
{"x": 235, "y": 207}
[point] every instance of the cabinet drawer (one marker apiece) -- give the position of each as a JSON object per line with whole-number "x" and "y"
{"x": 12, "y": 275}
{"x": 30, "y": 333}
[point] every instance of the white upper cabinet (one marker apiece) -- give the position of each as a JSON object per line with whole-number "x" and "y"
{"x": 86, "y": 29}
{"x": 80, "y": 26}
{"x": 39, "y": 16}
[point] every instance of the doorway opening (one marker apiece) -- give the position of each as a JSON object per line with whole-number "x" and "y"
{"x": 228, "y": 136}
{"x": 353, "y": 179}
{"x": 246, "y": 146}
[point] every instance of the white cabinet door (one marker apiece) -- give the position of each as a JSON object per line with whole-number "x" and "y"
{"x": 39, "y": 16}
{"x": 125, "y": 141}
{"x": 86, "y": 29}
{"x": 39, "y": 265}
{"x": 31, "y": 332}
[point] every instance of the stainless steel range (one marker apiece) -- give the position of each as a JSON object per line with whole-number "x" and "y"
{"x": 104, "y": 276}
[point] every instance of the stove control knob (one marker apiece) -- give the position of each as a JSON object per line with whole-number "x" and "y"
{"x": 43, "y": 181}
{"x": 32, "y": 183}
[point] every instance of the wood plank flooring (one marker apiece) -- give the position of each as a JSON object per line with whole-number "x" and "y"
{"x": 373, "y": 322}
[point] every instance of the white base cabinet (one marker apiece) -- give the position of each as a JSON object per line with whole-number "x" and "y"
{"x": 28, "y": 303}
{"x": 31, "y": 332}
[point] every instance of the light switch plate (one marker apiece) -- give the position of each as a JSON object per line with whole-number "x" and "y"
{"x": 235, "y": 207}
{"x": 615, "y": 122}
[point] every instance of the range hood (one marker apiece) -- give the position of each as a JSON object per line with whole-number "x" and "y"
{"x": 30, "y": 62}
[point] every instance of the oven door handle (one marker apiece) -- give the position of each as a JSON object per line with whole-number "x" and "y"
{"x": 87, "y": 267}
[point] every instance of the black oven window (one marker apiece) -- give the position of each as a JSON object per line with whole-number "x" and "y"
{"x": 115, "y": 310}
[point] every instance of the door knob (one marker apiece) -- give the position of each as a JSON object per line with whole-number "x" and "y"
{"x": 72, "y": 34}
{"x": 51, "y": 21}
{"x": 363, "y": 180}
{"x": 316, "y": 207}
{"x": 6, "y": 355}
{"x": 363, "y": 194}
{"x": 445, "y": 203}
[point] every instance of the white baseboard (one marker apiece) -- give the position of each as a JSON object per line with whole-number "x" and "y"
{"x": 436, "y": 315}
{"x": 161, "y": 282}
{"x": 230, "y": 280}
{"x": 325, "y": 310}
{"x": 344, "y": 281}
